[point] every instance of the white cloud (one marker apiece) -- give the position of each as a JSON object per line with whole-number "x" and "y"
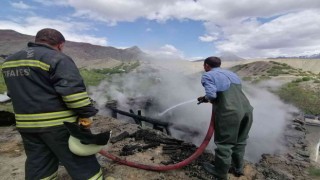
{"x": 247, "y": 28}
{"x": 234, "y": 23}
{"x": 207, "y": 38}
{"x": 20, "y": 5}
{"x": 166, "y": 51}
{"x": 73, "y": 31}
{"x": 169, "y": 48}
{"x": 290, "y": 34}
{"x": 52, "y": 3}
{"x": 220, "y": 11}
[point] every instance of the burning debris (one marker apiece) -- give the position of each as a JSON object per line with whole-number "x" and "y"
{"x": 279, "y": 166}
{"x": 138, "y": 118}
{"x": 177, "y": 150}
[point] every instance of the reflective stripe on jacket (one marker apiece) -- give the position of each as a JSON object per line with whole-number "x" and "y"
{"x": 44, "y": 119}
{"x": 45, "y": 87}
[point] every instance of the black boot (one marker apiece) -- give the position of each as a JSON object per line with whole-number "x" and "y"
{"x": 212, "y": 170}
{"x": 236, "y": 172}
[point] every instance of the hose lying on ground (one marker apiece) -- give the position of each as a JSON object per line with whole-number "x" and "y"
{"x": 181, "y": 164}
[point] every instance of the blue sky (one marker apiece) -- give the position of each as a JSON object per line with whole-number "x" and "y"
{"x": 184, "y": 29}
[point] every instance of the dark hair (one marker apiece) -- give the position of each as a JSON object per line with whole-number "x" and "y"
{"x": 213, "y": 61}
{"x": 49, "y": 36}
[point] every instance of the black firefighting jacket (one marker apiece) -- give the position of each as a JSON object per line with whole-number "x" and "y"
{"x": 46, "y": 88}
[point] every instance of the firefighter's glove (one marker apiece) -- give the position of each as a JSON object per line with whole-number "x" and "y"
{"x": 202, "y": 99}
{"x": 85, "y": 122}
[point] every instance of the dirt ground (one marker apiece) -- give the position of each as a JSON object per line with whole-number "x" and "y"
{"x": 12, "y": 157}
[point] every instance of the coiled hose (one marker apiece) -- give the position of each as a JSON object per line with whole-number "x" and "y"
{"x": 181, "y": 164}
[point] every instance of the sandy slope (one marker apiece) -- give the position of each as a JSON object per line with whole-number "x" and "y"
{"x": 312, "y": 65}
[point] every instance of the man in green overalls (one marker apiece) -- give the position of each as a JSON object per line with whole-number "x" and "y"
{"x": 233, "y": 118}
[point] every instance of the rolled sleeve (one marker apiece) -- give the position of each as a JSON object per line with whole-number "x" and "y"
{"x": 210, "y": 86}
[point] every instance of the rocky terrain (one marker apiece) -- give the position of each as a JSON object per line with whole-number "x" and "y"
{"x": 289, "y": 165}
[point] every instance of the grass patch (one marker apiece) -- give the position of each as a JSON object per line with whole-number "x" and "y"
{"x": 92, "y": 78}
{"x": 238, "y": 67}
{"x": 3, "y": 87}
{"x": 95, "y": 76}
{"x": 248, "y": 78}
{"x": 307, "y": 100}
{"x": 306, "y": 78}
{"x": 313, "y": 171}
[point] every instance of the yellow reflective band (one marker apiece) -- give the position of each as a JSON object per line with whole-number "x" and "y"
{"x": 98, "y": 176}
{"x": 41, "y": 116}
{"x": 49, "y": 123}
{"x": 32, "y": 63}
{"x": 74, "y": 97}
{"x": 78, "y": 104}
{"x": 51, "y": 177}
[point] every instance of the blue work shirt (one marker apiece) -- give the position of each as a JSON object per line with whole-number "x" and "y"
{"x": 217, "y": 80}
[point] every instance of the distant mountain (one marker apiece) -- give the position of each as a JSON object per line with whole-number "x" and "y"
{"x": 313, "y": 56}
{"x": 226, "y": 56}
{"x": 82, "y": 53}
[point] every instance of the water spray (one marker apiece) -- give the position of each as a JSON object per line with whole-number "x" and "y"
{"x": 180, "y": 104}
{"x": 181, "y": 164}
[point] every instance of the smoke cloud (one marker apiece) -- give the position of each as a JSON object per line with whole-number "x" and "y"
{"x": 155, "y": 87}
{"x": 271, "y": 116}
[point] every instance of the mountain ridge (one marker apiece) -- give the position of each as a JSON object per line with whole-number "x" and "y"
{"x": 81, "y": 52}
{"x": 312, "y": 56}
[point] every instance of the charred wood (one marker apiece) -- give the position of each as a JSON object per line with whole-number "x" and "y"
{"x": 149, "y": 136}
{"x": 120, "y": 137}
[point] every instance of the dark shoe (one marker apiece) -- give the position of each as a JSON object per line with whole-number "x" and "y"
{"x": 212, "y": 170}
{"x": 236, "y": 172}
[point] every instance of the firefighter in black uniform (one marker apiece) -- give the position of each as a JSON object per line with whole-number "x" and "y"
{"x": 47, "y": 89}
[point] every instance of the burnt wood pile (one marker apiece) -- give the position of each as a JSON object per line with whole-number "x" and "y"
{"x": 177, "y": 150}
{"x": 138, "y": 118}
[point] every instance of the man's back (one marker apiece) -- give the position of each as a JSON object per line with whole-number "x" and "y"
{"x": 27, "y": 75}
{"x": 47, "y": 90}
{"x": 218, "y": 80}
{"x": 45, "y": 85}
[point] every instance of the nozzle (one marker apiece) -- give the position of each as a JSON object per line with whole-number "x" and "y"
{"x": 199, "y": 102}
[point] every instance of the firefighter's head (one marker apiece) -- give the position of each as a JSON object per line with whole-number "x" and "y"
{"x": 50, "y": 37}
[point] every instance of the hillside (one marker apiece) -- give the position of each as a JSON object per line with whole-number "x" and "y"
{"x": 84, "y": 54}
{"x": 279, "y": 69}
{"x": 312, "y": 65}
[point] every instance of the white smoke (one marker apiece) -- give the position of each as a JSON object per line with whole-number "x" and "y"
{"x": 270, "y": 117}
{"x": 170, "y": 84}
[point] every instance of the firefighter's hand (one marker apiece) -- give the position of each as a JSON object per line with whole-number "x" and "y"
{"x": 202, "y": 99}
{"x": 85, "y": 122}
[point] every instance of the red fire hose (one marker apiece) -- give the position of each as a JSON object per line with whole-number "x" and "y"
{"x": 183, "y": 163}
